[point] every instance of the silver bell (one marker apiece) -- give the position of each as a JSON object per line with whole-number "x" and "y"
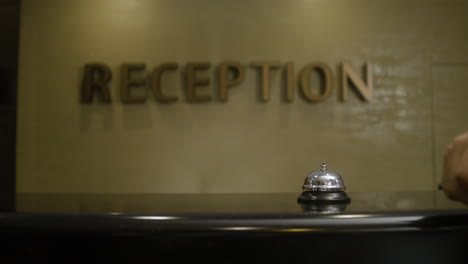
{"x": 324, "y": 181}
{"x": 323, "y": 186}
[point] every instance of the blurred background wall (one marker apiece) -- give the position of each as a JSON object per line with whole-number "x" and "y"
{"x": 418, "y": 52}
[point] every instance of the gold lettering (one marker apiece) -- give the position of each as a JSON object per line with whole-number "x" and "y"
{"x": 365, "y": 91}
{"x": 225, "y": 82}
{"x": 126, "y": 83}
{"x": 96, "y": 78}
{"x": 326, "y": 80}
{"x": 265, "y": 72}
{"x": 156, "y": 78}
{"x": 191, "y": 82}
{"x": 289, "y": 72}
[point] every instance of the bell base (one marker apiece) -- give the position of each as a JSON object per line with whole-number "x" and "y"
{"x": 323, "y": 197}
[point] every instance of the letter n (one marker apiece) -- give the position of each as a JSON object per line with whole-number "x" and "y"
{"x": 348, "y": 75}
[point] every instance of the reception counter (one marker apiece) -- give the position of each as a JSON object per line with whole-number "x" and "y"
{"x": 400, "y": 227}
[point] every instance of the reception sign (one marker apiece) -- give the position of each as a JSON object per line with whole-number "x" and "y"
{"x": 229, "y": 74}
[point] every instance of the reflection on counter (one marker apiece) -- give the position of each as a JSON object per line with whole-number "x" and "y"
{"x": 324, "y": 208}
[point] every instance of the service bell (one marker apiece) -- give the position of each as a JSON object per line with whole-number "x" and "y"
{"x": 323, "y": 186}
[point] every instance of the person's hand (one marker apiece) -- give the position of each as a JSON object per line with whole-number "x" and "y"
{"x": 455, "y": 174}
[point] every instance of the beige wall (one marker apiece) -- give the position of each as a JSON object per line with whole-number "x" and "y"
{"x": 418, "y": 49}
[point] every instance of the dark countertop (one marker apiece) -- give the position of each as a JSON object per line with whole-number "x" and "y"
{"x": 397, "y": 227}
{"x": 277, "y": 212}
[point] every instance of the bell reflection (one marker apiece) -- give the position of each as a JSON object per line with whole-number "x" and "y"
{"x": 323, "y": 208}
